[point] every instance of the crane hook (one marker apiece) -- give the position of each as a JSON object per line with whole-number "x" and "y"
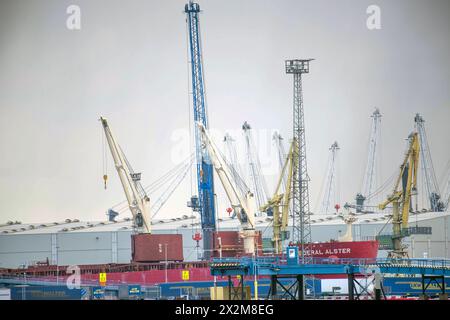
{"x": 105, "y": 178}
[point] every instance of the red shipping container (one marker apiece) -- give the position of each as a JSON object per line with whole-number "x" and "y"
{"x": 154, "y": 247}
{"x": 232, "y": 244}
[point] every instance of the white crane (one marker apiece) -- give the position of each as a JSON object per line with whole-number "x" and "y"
{"x": 369, "y": 185}
{"x": 137, "y": 199}
{"x": 231, "y": 155}
{"x": 428, "y": 174}
{"x": 243, "y": 203}
{"x": 254, "y": 165}
{"x": 278, "y": 141}
{"x": 331, "y": 191}
{"x": 446, "y": 189}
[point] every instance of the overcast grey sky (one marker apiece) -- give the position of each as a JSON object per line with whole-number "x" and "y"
{"x": 128, "y": 63}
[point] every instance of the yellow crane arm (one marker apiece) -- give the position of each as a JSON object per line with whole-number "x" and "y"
{"x": 287, "y": 193}
{"x": 410, "y": 163}
{"x": 413, "y": 155}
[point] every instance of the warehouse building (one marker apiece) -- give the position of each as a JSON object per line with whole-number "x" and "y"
{"x": 74, "y": 242}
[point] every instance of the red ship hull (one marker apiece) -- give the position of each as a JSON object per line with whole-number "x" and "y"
{"x": 350, "y": 250}
{"x": 156, "y": 273}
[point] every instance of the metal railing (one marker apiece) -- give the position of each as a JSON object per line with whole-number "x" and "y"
{"x": 420, "y": 263}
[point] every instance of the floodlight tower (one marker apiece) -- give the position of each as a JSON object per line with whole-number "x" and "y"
{"x": 300, "y": 192}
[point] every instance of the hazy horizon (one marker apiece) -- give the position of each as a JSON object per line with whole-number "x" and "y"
{"x": 129, "y": 63}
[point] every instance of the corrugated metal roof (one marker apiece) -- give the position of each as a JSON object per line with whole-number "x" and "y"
{"x": 188, "y": 222}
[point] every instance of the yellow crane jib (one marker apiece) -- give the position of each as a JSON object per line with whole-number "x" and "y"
{"x": 405, "y": 187}
{"x": 280, "y": 217}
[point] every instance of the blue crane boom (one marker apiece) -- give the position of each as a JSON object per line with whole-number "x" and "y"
{"x": 204, "y": 204}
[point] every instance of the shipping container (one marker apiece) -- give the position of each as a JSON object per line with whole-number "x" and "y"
{"x": 130, "y": 292}
{"x": 157, "y": 247}
{"x": 230, "y": 244}
{"x": 201, "y": 289}
{"x": 223, "y": 293}
{"x": 412, "y": 286}
{"x": 5, "y": 294}
{"x": 44, "y": 293}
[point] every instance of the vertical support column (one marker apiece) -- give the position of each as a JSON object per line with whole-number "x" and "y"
{"x": 351, "y": 286}
{"x": 301, "y": 286}
{"x": 242, "y": 288}
{"x": 377, "y": 286}
{"x": 114, "y": 247}
{"x": 273, "y": 286}
{"x": 229, "y": 287}
{"x": 54, "y": 249}
{"x": 443, "y": 295}
{"x": 423, "y": 296}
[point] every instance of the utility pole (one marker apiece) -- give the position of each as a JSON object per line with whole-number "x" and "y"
{"x": 300, "y": 191}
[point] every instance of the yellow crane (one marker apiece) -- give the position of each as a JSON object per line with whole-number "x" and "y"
{"x": 279, "y": 203}
{"x": 405, "y": 188}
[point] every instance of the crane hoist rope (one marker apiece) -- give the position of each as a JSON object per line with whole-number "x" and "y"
{"x": 172, "y": 186}
{"x": 105, "y": 161}
{"x": 243, "y": 204}
{"x": 160, "y": 182}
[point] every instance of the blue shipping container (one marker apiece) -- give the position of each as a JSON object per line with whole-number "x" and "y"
{"x": 201, "y": 288}
{"x": 411, "y": 286}
{"x": 45, "y": 293}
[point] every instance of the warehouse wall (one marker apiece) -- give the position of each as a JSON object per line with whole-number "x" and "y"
{"x": 16, "y": 250}
{"x": 115, "y": 246}
{"x": 435, "y": 245}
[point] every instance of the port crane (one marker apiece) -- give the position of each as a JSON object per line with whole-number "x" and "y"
{"x": 430, "y": 181}
{"x": 369, "y": 185}
{"x": 242, "y": 201}
{"x": 446, "y": 194}
{"x": 281, "y": 152}
{"x": 401, "y": 198}
{"x": 259, "y": 186}
{"x": 137, "y": 199}
{"x": 330, "y": 192}
{"x": 204, "y": 202}
{"x": 278, "y": 205}
{"x": 231, "y": 155}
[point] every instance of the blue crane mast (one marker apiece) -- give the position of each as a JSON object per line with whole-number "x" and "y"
{"x": 204, "y": 203}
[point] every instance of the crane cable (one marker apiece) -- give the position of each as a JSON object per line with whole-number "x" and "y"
{"x": 105, "y": 160}
{"x": 159, "y": 203}
{"x": 156, "y": 185}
